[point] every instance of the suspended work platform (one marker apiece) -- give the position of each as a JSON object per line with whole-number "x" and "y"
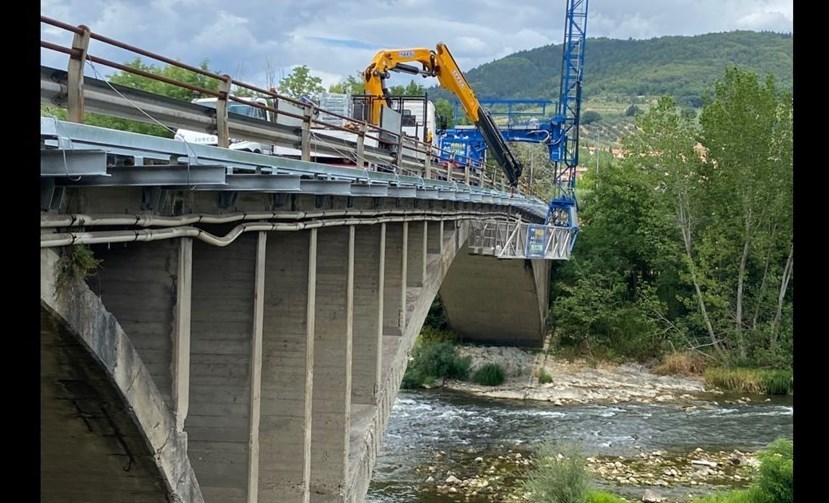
{"x": 516, "y": 239}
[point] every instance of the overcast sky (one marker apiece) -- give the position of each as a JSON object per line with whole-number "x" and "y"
{"x": 252, "y": 39}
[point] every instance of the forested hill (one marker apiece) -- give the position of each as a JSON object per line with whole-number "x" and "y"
{"x": 678, "y": 66}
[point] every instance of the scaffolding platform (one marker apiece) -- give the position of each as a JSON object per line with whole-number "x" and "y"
{"x": 520, "y": 240}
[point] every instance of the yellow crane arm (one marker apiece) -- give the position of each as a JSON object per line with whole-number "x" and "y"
{"x": 442, "y": 65}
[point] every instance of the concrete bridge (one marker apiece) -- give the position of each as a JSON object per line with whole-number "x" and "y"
{"x": 248, "y": 348}
{"x": 225, "y": 326}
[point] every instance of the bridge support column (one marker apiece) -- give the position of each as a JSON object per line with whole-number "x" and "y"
{"x": 287, "y": 367}
{"x": 331, "y": 410}
{"x": 223, "y": 331}
{"x": 417, "y": 250}
{"x": 394, "y": 304}
{"x": 367, "y": 336}
{"x": 181, "y": 338}
{"x": 256, "y": 368}
{"x": 433, "y": 238}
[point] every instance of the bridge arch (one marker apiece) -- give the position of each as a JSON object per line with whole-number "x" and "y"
{"x": 106, "y": 434}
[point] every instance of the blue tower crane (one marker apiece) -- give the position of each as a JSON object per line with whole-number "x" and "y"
{"x": 563, "y": 142}
{"x": 560, "y": 133}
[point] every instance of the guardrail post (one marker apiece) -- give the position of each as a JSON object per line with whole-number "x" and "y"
{"x": 80, "y": 45}
{"x": 427, "y": 165}
{"x": 481, "y": 170}
{"x": 305, "y": 139}
{"x": 399, "y": 160}
{"x": 466, "y": 173}
{"x": 222, "y": 127}
{"x": 361, "y": 142}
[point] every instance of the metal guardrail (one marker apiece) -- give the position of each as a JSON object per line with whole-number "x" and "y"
{"x": 98, "y": 156}
{"x": 79, "y": 94}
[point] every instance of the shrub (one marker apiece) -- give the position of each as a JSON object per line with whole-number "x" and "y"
{"x": 778, "y": 382}
{"x": 75, "y": 262}
{"x": 436, "y": 318}
{"x": 559, "y": 475}
{"x": 544, "y": 377}
{"x": 684, "y": 363}
{"x": 430, "y": 334}
{"x": 776, "y": 482}
{"x": 432, "y": 361}
{"x": 490, "y": 374}
{"x": 774, "y": 382}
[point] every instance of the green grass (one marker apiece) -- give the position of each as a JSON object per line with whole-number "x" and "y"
{"x": 559, "y": 475}
{"x": 544, "y": 377}
{"x": 490, "y": 374}
{"x": 603, "y": 497}
{"x": 745, "y": 380}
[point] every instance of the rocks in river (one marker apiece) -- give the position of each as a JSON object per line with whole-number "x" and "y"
{"x": 652, "y": 497}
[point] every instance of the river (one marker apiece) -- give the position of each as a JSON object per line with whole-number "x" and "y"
{"x": 448, "y": 430}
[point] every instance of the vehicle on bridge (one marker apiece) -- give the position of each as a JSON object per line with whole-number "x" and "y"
{"x": 233, "y": 107}
{"x": 437, "y": 63}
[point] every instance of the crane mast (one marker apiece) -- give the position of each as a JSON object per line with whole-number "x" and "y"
{"x": 563, "y": 143}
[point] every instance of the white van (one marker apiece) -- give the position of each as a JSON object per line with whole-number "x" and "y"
{"x": 233, "y": 107}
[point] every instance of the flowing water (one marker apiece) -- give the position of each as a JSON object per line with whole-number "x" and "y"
{"x": 449, "y": 430}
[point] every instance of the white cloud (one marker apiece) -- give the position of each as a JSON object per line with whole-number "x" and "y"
{"x": 337, "y": 39}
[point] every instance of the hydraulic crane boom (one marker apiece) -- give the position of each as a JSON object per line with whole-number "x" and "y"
{"x": 439, "y": 63}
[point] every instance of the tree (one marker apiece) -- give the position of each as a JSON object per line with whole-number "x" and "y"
{"x": 300, "y": 83}
{"x": 444, "y": 109}
{"x": 353, "y": 84}
{"x": 143, "y": 83}
{"x": 632, "y": 111}
{"x": 664, "y": 148}
{"x": 411, "y": 89}
{"x": 590, "y": 116}
{"x": 746, "y": 130}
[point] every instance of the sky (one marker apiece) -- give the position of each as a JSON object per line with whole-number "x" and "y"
{"x": 260, "y": 42}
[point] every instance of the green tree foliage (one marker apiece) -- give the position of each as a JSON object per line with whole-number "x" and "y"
{"x": 300, "y": 83}
{"x": 433, "y": 360}
{"x": 746, "y": 250}
{"x": 589, "y": 117}
{"x": 611, "y": 294}
{"x": 687, "y": 240}
{"x": 353, "y": 84}
{"x": 178, "y": 74}
{"x": 444, "y": 109}
{"x": 411, "y": 89}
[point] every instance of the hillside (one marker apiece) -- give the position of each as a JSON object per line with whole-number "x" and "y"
{"x": 619, "y": 73}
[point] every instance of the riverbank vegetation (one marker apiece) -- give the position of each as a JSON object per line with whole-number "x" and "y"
{"x": 774, "y": 483}
{"x": 686, "y": 242}
{"x": 563, "y": 474}
{"x": 435, "y": 357}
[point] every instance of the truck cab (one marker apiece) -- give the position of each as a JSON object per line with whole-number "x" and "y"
{"x": 233, "y": 107}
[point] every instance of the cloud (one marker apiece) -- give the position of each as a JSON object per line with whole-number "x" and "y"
{"x": 255, "y": 38}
